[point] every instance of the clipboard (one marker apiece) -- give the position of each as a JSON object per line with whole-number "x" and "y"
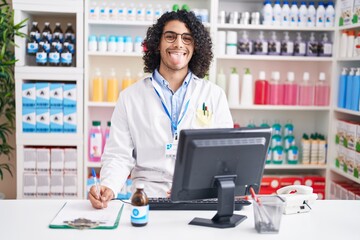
{"x": 79, "y": 214}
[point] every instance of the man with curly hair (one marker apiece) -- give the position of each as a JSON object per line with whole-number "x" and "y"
{"x": 150, "y": 114}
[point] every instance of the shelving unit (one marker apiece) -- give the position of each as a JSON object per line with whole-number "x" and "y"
{"x": 26, "y": 71}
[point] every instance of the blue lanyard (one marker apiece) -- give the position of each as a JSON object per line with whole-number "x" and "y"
{"x": 174, "y": 125}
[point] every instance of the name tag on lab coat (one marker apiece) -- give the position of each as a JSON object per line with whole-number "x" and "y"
{"x": 170, "y": 150}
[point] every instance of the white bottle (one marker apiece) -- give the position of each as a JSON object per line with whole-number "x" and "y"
{"x": 104, "y": 11}
{"x": 320, "y": 15}
{"x": 343, "y": 44}
{"x": 131, "y": 13}
{"x": 102, "y": 44}
{"x": 120, "y": 40}
{"x": 350, "y": 44}
{"x": 149, "y": 13}
{"x": 221, "y": 80}
{"x": 303, "y": 15}
{"x": 330, "y": 15}
{"x": 129, "y": 46}
{"x": 311, "y": 21}
{"x": 267, "y": 12}
{"x": 287, "y": 45}
{"x": 247, "y": 89}
{"x": 113, "y": 12}
{"x": 122, "y": 12}
{"x": 276, "y": 21}
{"x": 234, "y": 88}
{"x": 294, "y": 14}
{"x": 140, "y": 13}
{"x": 94, "y": 11}
{"x": 92, "y": 43}
{"x": 285, "y": 14}
{"x": 158, "y": 12}
{"x": 357, "y": 45}
{"x": 137, "y": 46}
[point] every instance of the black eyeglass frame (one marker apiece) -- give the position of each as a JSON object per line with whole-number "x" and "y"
{"x": 182, "y": 37}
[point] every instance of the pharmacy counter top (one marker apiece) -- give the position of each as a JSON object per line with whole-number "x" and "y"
{"x": 29, "y": 219}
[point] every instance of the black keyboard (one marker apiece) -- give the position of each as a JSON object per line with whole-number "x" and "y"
{"x": 207, "y": 204}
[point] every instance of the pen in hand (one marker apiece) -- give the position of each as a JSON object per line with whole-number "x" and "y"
{"x": 96, "y": 184}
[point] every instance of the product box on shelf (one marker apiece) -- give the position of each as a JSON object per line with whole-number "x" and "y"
{"x": 29, "y": 163}
{"x": 29, "y": 185}
{"x": 42, "y": 160}
{"x": 56, "y": 186}
{"x": 340, "y": 132}
{"x": 42, "y": 94}
{"x": 43, "y": 185}
{"x": 69, "y": 96}
{"x": 28, "y": 119}
{"x": 357, "y": 165}
{"x": 70, "y": 185}
{"x": 70, "y": 120}
{"x": 269, "y": 185}
{"x": 70, "y": 160}
{"x": 350, "y": 135}
{"x": 357, "y": 144}
{"x": 56, "y": 120}
{"x": 42, "y": 120}
{"x": 28, "y": 95}
{"x": 57, "y": 161}
{"x": 291, "y": 180}
{"x": 349, "y": 162}
{"x": 56, "y": 95}
{"x": 346, "y": 12}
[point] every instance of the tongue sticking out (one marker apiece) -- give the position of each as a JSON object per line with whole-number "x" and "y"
{"x": 177, "y": 57}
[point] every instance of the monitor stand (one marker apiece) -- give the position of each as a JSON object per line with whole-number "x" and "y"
{"x": 224, "y": 217}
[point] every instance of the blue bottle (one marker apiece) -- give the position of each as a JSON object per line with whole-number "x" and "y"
{"x": 356, "y": 91}
{"x": 349, "y": 85}
{"x": 342, "y": 89}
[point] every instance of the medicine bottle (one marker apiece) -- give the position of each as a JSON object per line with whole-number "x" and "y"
{"x": 139, "y": 207}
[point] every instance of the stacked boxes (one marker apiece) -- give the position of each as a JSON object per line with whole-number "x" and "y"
{"x": 49, "y": 107}
{"x": 50, "y": 173}
{"x": 343, "y": 190}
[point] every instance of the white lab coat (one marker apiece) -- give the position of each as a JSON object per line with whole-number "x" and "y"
{"x": 140, "y": 129}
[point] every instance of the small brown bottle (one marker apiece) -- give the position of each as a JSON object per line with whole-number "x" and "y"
{"x": 139, "y": 207}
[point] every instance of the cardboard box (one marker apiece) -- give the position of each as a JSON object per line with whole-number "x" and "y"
{"x": 28, "y": 95}
{"x": 29, "y": 185}
{"x": 269, "y": 185}
{"x": 28, "y": 120}
{"x": 43, "y": 120}
{"x": 69, "y": 95}
{"x": 43, "y": 185}
{"x": 56, "y": 120}
{"x": 42, "y": 94}
{"x": 57, "y": 186}
{"x": 42, "y": 160}
{"x": 346, "y": 12}
{"x": 29, "y": 160}
{"x": 70, "y": 120}
{"x": 57, "y": 157}
{"x": 56, "y": 95}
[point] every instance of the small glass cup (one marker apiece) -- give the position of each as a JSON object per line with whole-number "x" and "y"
{"x": 268, "y": 212}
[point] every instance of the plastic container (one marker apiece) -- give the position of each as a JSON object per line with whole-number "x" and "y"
{"x": 329, "y": 15}
{"x": 106, "y": 134}
{"x": 294, "y": 14}
{"x": 311, "y": 22}
{"x": 356, "y": 91}
{"x": 276, "y": 90}
{"x": 139, "y": 207}
{"x": 261, "y": 89}
{"x": 290, "y": 90}
{"x": 312, "y": 46}
{"x": 349, "y": 85}
{"x": 95, "y": 142}
{"x": 234, "y": 88}
{"x": 350, "y": 43}
{"x": 325, "y": 47}
{"x": 303, "y": 14}
{"x": 287, "y": 45}
{"x": 267, "y": 12}
{"x": 127, "y": 80}
{"x": 260, "y": 46}
{"x": 112, "y": 87}
{"x": 320, "y": 15}
{"x": 285, "y": 14}
{"x": 97, "y": 87}
{"x": 342, "y": 89}
{"x": 306, "y": 91}
{"x": 247, "y": 89}
{"x": 343, "y": 44}
{"x": 322, "y": 91}
{"x": 221, "y": 80}
{"x": 274, "y": 46}
{"x": 299, "y": 46}
{"x": 277, "y": 13}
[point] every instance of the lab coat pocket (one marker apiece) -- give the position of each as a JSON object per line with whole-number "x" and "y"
{"x": 204, "y": 118}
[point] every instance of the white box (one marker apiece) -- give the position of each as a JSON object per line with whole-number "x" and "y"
{"x": 29, "y": 185}
{"x": 70, "y": 185}
{"x": 43, "y": 120}
{"x": 29, "y": 160}
{"x": 56, "y": 95}
{"x": 43, "y": 185}
{"x": 351, "y": 135}
{"x": 42, "y": 94}
{"x": 28, "y": 120}
{"x": 350, "y": 161}
{"x": 56, "y": 120}
{"x": 70, "y": 160}
{"x": 57, "y": 186}
{"x": 28, "y": 95}
{"x": 57, "y": 161}
{"x": 70, "y": 120}
{"x": 42, "y": 160}
{"x": 357, "y": 165}
{"x": 69, "y": 95}
{"x": 357, "y": 144}
{"x": 346, "y": 11}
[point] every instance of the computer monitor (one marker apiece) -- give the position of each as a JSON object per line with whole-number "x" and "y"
{"x": 219, "y": 163}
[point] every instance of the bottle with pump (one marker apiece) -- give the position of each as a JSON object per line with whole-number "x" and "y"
{"x": 325, "y": 47}
{"x": 66, "y": 56}
{"x": 290, "y": 90}
{"x": 294, "y": 14}
{"x": 320, "y": 15}
{"x": 329, "y": 15}
{"x": 41, "y": 55}
{"x": 356, "y": 92}
{"x": 97, "y": 87}
{"x": 234, "y": 88}
{"x": 287, "y": 46}
{"x": 247, "y": 89}
{"x": 349, "y": 85}
{"x": 95, "y": 142}
{"x": 274, "y": 45}
{"x": 127, "y": 80}
{"x": 267, "y": 12}
{"x": 306, "y": 91}
{"x": 322, "y": 91}
{"x": 261, "y": 89}
{"x": 59, "y": 31}
{"x": 244, "y": 45}
{"x": 261, "y": 45}
{"x": 343, "y": 44}
{"x": 342, "y": 89}
{"x": 299, "y": 46}
{"x": 54, "y": 55}
{"x": 276, "y": 90}
{"x": 276, "y": 14}
{"x": 221, "y": 80}
{"x": 311, "y": 19}
{"x": 48, "y": 31}
{"x": 303, "y": 14}
{"x": 112, "y": 87}
{"x": 285, "y": 14}
{"x": 312, "y": 46}
{"x": 139, "y": 207}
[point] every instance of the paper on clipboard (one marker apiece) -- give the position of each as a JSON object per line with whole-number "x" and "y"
{"x": 106, "y": 218}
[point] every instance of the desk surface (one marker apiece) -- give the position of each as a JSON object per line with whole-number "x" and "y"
{"x": 26, "y": 219}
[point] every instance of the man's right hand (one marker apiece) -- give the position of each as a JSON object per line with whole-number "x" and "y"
{"x": 106, "y": 194}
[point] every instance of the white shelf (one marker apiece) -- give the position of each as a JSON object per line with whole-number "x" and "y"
{"x": 280, "y": 108}
{"x": 273, "y": 28}
{"x": 92, "y": 164}
{"x": 347, "y": 59}
{"x": 127, "y": 23}
{"x": 49, "y": 70}
{"x": 295, "y": 167}
{"x": 49, "y": 139}
{"x": 351, "y": 26}
{"x": 101, "y": 104}
{"x": 275, "y": 58}
{"x": 344, "y": 174}
{"x": 350, "y": 112}
{"x": 115, "y": 54}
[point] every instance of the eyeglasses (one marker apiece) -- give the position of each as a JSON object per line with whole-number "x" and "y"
{"x": 171, "y": 37}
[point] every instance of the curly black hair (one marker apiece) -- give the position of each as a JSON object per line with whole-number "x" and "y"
{"x": 202, "y": 56}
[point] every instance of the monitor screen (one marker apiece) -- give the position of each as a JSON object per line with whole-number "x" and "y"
{"x": 219, "y": 163}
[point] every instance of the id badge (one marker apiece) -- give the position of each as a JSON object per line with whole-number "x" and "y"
{"x": 171, "y": 149}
